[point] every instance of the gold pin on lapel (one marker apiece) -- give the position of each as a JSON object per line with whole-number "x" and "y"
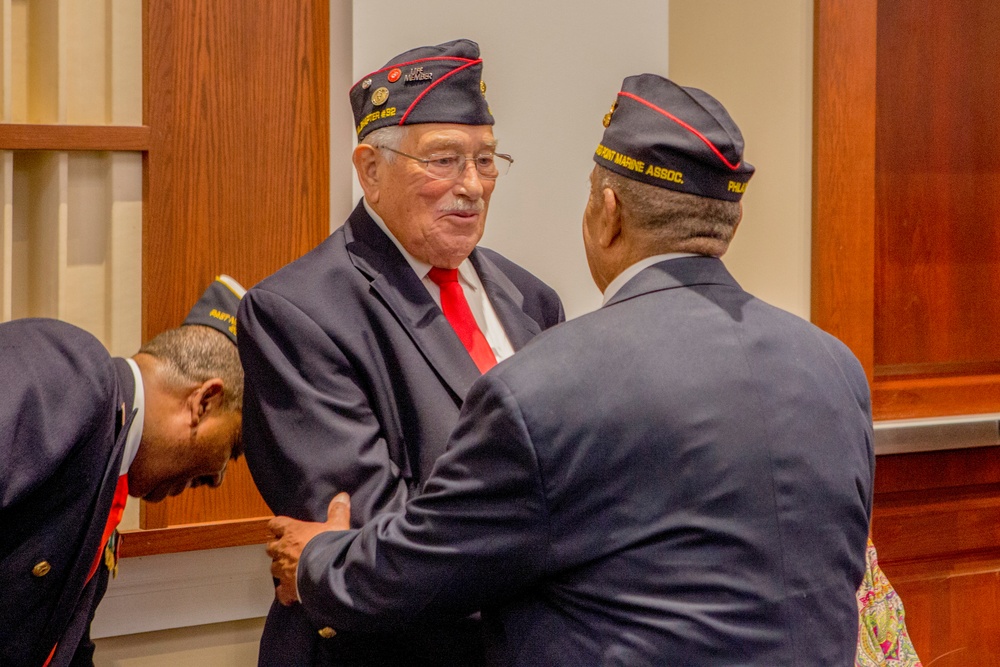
{"x": 111, "y": 553}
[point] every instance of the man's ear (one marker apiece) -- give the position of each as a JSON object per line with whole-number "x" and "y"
{"x": 611, "y": 221}
{"x": 205, "y": 399}
{"x": 365, "y": 160}
{"x": 737, "y": 225}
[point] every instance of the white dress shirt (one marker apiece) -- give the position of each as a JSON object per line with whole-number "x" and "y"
{"x": 134, "y": 436}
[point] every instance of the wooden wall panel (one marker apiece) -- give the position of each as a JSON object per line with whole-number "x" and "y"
{"x": 918, "y": 494}
{"x": 905, "y": 257}
{"x": 937, "y": 188}
{"x": 951, "y": 616}
{"x": 237, "y": 174}
{"x": 843, "y": 173}
{"x": 936, "y": 526}
{"x": 936, "y": 350}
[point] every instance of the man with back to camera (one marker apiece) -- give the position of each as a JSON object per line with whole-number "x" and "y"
{"x": 79, "y": 432}
{"x": 359, "y": 354}
{"x": 683, "y": 477}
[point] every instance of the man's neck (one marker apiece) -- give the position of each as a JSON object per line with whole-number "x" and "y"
{"x": 419, "y": 267}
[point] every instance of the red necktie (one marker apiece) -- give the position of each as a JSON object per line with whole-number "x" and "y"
{"x": 457, "y": 312}
{"x": 114, "y": 518}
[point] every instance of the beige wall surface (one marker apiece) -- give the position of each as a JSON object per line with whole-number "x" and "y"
{"x": 231, "y": 644}
{"x": 756, "y": 58}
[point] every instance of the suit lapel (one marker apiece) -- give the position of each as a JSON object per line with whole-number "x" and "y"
{"x": 507, "y": 301}
{"x": 398, "y": 287}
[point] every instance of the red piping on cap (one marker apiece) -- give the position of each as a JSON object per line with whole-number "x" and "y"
{"x": 414, "y": 62}
{"x": 428, "y": 88}
{"x": 687, "y": 127}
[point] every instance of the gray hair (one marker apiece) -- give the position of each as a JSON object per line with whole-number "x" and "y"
{"x": 193, "y": 354}
{"x": 386, "y": 137}
{"x": 677, "y": 221}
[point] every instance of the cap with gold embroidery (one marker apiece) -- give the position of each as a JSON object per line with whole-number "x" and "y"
{"x": 674, "y": 137}
{"x": 217, "y": 306}
{"x": 428, "y": 84}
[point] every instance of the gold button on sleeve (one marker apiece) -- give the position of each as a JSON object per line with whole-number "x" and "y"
{"x": 41, "y": 569}
{"x": 327, "y": 632}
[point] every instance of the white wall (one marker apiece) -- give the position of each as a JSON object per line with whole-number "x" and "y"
{"x": 552, "y": 70}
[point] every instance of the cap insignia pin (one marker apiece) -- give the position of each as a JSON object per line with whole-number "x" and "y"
{"x": 394, "y": 75}
{"x": 380, "y": 96}
{"x": 482, "y": 86}
{"x": 366, "y": 84}
{"x": 607, "y": 116}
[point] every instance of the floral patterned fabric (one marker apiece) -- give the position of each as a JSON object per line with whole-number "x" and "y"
{"x": 882, "y": 637}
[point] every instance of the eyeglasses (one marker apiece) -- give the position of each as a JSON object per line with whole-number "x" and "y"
{"x": 449, "y": 166}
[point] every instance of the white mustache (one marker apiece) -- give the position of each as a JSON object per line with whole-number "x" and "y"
{"x": 464, "y": 205}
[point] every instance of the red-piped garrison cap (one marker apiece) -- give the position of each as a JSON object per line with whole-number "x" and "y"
{"x": 429, "y": 84}
{"x": 217, "y": 306}
{"x": 674, "y": 137}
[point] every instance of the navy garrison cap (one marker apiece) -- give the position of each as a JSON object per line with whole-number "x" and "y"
{"x": 429, "y": 84}
{"x": 674, "y": 137}
{"x": 217, "y": 306}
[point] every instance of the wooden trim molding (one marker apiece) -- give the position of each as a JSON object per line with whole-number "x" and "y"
{"x": 843, "y": 239}
{"x": 907, "y": 398}
{"x": 33, "y": 137}
{"x": 194, "y": 536}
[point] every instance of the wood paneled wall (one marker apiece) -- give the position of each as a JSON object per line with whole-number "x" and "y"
{"x": 937, "y": 346}
{"x": 237, "y": 173}
{"x": 937, "y": 530}
{"x": 905, "y": 259}
{"x": 843, "y": 255}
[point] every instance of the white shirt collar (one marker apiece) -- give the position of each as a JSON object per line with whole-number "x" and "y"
{"x": 631, "y": 272}
{"x": 465, "y": 269}
{"x": 134, "y": 436}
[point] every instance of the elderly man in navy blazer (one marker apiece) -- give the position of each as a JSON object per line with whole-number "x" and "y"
{"x": 359, "y": 355}
{"x": 683, "y": 477}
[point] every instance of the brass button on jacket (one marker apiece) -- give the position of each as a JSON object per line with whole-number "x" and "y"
{"x": 327, "y": 632}
{"x": 41, "y": 569}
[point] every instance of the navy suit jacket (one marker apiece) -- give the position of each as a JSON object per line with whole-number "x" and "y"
{"x": 683, "y": 477}
{"x": 64, "y": 414}
{"x": 354, "y": 380}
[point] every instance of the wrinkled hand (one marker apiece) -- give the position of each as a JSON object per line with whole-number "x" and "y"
{"x": 291, "y": 537}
